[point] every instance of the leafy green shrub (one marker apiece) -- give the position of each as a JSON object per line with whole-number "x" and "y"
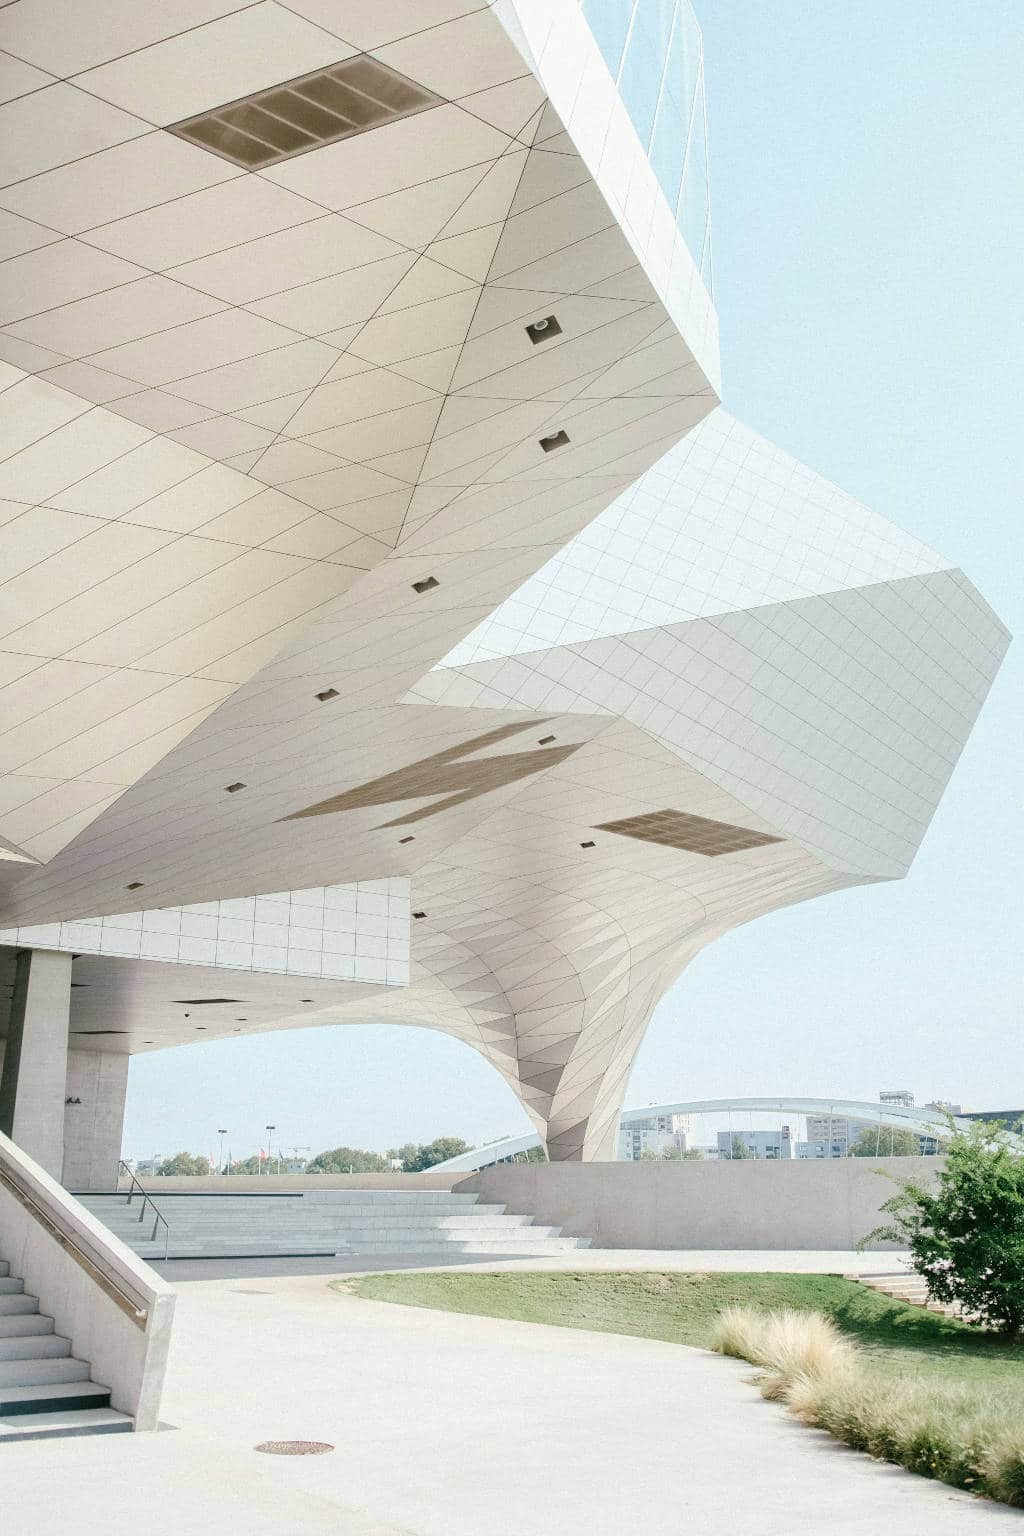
{"x": 966, "y": 1236}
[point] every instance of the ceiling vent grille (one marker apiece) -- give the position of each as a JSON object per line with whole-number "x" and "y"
{"x": 289, "y": 119}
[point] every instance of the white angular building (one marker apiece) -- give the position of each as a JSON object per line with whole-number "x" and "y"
{"x": 393, "y": 624}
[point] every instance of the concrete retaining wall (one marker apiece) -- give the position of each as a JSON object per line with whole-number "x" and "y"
{"x": 816, "y": 1205}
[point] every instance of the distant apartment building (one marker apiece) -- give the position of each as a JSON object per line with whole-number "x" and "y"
{"x": 834, "y": 1132}
{"x": 819, "y": 1147}
{"x": 900, "y": 1098}
{"x": 770, "y": 1145}
{"x": 654, "y": 1136}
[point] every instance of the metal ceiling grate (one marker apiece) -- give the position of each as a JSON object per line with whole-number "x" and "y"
{"x": 289, "y": 119}
{"x": 693, "y": 834}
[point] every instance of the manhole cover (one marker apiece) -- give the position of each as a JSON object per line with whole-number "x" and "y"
{"x": 294, "y": 1447}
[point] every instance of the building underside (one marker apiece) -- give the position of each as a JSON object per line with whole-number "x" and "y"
{"x": 393, "y": 624}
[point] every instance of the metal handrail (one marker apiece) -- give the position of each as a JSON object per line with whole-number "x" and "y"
{"x": 147, "y": 1199}
{"x": 93, "y": 1264}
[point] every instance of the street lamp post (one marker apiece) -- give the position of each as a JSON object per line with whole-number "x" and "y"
{"x": 222, "y": 1132}
{"x": 270, "y": 1137}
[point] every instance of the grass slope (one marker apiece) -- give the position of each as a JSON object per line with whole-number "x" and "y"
{"x": 683, "y": 1308}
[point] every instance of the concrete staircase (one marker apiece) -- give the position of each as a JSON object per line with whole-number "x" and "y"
{"x": 910, "y": 1288}
{"x": 347, "y": 1223}
{"x": 44, "y": 1390}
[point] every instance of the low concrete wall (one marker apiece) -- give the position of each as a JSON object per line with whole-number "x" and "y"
{"x": 126, "y": 1342}
{"x": 740, "y": 1204}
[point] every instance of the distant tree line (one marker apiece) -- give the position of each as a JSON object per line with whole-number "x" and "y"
{"x": 414, "y": 1157}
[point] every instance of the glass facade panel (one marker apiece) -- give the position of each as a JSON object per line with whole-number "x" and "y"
{"x": 654, "y": 52}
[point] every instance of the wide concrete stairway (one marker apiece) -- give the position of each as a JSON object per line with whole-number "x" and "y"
{"x": 432, "y": 1224}
{"x": 910, "y": 1288}
{"x": 44, "y": 1390}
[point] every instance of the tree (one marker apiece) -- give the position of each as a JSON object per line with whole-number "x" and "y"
{"x": 253, "y": 1164}
{"x": 184, "y": 1163}
{"x": 886, "y": 1141}
{"x": 739, "y": 1149}
{"x": 347, "y": 1160}
{"x": 415, "y": 1159}
{"x": 965, "y": 1232}
{"x": 678, "y": 1154}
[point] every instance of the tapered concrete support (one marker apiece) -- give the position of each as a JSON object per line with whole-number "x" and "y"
{"x": 93, "y": 1119}
{"x": 32, "y": 1087}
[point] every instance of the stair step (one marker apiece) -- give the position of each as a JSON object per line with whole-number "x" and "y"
{"x": 35, "y": 1346}
{"x": 11, "y": 1287}
{"x": 52, "y": 1397}
{"x": 36, "y": 1371}
{"x": 20, "y": 1326}
{"x": 5, "y": 1268}
{"x": 69, "y": 1422}
{"x": 12, "y": 1306}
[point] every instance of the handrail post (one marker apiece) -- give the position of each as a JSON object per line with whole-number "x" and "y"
{"x": 147, "y": 1199}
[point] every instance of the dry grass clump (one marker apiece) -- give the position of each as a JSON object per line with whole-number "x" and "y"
{"x": 957, "y": 1434}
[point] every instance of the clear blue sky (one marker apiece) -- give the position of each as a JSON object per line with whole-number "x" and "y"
{"x": 868, "y": 208}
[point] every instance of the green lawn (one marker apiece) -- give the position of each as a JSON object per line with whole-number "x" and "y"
{"x": 681, "y": 1308}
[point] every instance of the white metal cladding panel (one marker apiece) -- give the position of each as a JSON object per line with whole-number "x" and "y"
{"x": 357, "y": 932}
{"x": 724, "y": 521}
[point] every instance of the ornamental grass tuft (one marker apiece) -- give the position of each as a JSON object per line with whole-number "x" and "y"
{"x": 968, "y": 1437}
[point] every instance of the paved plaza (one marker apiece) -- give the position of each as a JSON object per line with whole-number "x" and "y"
{"x": 448, "y": 1425}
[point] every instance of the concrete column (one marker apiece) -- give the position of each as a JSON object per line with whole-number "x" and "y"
{"x": 35, "y": 1066}
{"x": 94, "y": 1119}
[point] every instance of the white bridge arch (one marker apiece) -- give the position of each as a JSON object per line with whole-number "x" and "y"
{"x": 922, "y": 1122}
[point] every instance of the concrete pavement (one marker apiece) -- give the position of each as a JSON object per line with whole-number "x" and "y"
{"x": 828, "y": 1261}
{"x": 448, "y": 1425}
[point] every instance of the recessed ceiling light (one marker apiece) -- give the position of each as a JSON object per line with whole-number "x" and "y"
{"x": 305, "y": 999}
{"x": 556, "y": 440}
{"x": 232, "y": 789}
{"x": 242, "y": 1021}
{"x": 426, "y": 584}
{"x": 134, "y": 885}
{"x": 352, "y": 97}
{"x": 328, "y": 693}
{"x": 419, "y": 914}
{"x": 543, "y": 330}
{"x": 406, "y": 839}
{"x": 545, "y": 741}
{"x": 588, "y": 845}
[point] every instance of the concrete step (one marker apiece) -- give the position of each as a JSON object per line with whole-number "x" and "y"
{"x": 52, "y": 1398}
{"x": 31, "y": 1372}
{"x": 35, "y": 1346}
{"x": 5, "y": 1268}
{"x": 11, "y": 1287}
{"x": 19, "y": 1326}
{"x": 65, "y": 1423}
{"x": 465, "y": 1232}
{"x": 509, "y": 1250}
{"x": 11, "y": 1306}
{"x": 319, "y": 1235}
{"x": 307, "y": 1215}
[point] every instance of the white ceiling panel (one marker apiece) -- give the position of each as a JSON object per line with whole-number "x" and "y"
{"x": 211, "y": 65}
{"x": 57, "y": 125}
